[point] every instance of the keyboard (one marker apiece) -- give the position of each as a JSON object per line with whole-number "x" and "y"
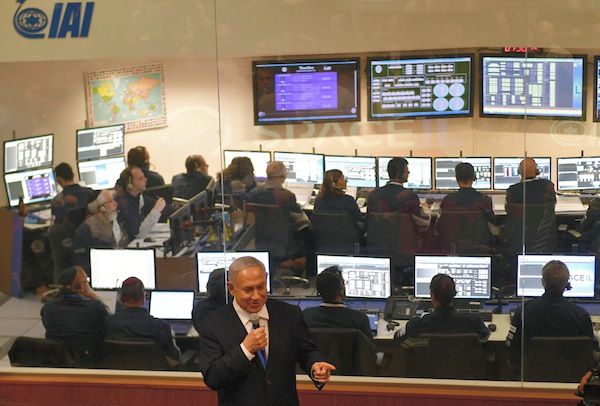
{"x": 181, "y": 328}
{"x": 486, "y": 315}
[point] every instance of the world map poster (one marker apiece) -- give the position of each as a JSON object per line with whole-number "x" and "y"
{"x": 134, "y": 96}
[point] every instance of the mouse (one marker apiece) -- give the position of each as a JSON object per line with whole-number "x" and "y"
{"x": 149, "y": 239}
{"x": 492, "y": 327}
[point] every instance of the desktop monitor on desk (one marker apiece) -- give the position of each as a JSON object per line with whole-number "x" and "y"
{"x": 28, "y": 153}
{"x": 182, "y": 229}
{"x": 301, "y": 167}
{"x": 582, "y": 173}
{"x": 260, "y": 160}
{"x": 582, "y": 270}
{"x": 445, "y": 177}
{"x": 420, "y": 172}
{"x": 36, "y": 186}
{"x": 365, "y": 277}
{"x": 361, "y": 171}
{"x": 506, "y": 171}
{"x": 110, "y": 267}
{"x": 472, "y": 275}
{"x": 100, "y": 142}
{"x": 101, "y": 173}
{"x": 209, "y": 261}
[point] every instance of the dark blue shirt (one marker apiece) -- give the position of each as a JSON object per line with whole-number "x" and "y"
{"x": 188, "y": 185}
{"x": 340, "y": 203}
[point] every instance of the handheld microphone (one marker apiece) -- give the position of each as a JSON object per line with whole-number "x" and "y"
{"x": 255, "y": 319}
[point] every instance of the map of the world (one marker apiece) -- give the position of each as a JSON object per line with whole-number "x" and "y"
{"x": 134, "y": 96}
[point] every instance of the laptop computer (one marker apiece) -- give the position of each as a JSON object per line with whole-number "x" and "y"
{"x": 302, "y": 190}
{"x": 175, "y": 307}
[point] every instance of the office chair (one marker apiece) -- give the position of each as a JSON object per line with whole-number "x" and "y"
{"x": 540, "y": 235}
{"x": 39, "y": 352}
{"x": 558, "y": 359}
{"x": 60, "y": 237}
{"x": 138, "y": 354}
{"x": 464, "y": 232}
{"x": 348, "y": 349}
{"x": 336, "y": 232}
{"x": 274, "y": 232}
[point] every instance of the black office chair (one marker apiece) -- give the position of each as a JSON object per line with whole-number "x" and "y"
{"x": 348, "y": 349}
{"x": 60, "y": 237}
{"x": 39, "y": 352}
{"x": 539, "y": 222}
{"x": 558, "y": 359}
{"x": 450, "y": 356}
{"x": 336, "y": 232}
{"x": 274, "y": 232}
{"x": 138, "y": 354}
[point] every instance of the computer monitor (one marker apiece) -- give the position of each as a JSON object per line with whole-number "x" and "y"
{"x": 172, "y": 304}
{"x": 110, "y": 267}
{"x": 309, "y": 90}
{"x": 420, "y": 172}
{"x": 182, "y": 229}
{"x": 36, "y": 186}
{"x": 506, "y": 171}
{"x": 260, "y": 160}
{"x": 301, "y": 167}
{"x": 581, "y": 173}
{"x": 361, "y": 171}
{"x": 582, "y": 270}
{"x": 199, "y": 205}
{"x": 538, "y": 86}
{"x": 365, "y": 277}
{"x": 28, "y": 153}
{"x": 420, "y": 87}
{"x": 472, "y": 275}
{"x": 101, "y": 173}
{"x": 100, "y": 142}
{"x": 445, "y": 177}
{"x": 209, "y": 261}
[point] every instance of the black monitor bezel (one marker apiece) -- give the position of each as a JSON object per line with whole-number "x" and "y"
{"x": 51, "y": 135}
{"x": 77, "y": 133}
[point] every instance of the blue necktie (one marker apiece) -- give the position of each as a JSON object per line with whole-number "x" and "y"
{"x": 262, "y": 355}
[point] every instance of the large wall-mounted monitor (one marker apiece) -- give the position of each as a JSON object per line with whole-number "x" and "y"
{"x": 582, "y": 271}
{"x": 445, "y": 176}
{"x": 110, "y": 267}
{"x": 100, "y": 142}
{"x": 597, "y": 88}
{"x": 36, "y": 186}
{"x": 260, "y": 160}
{"x": 578, "y": 173}
{"x": 506, "y": 171}
{"x": 209, "y": 261}
{"x": 28, "y": 153}
{"x": 544, "y": 87}
{"x": 302, "y": 167}
{"x": 472, "y": 275}
{"x": 361, "y": 171}
{"x": 306, "y": 91}
{"x": 420, "y": 172}
{"x": 101, "y": 173}
{"x": 420, "y": 87}
{"x": 365, "y": 277}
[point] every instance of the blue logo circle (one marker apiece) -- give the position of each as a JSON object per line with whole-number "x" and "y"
{"x": 32, "y": 20}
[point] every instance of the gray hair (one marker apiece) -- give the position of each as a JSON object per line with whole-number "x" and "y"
{"x": 243, "y": 263}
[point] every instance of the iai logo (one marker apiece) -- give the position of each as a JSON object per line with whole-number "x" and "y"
{"x": 71, "y": 18}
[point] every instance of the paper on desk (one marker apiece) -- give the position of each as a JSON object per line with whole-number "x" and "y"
{"x": 568, "y": 203}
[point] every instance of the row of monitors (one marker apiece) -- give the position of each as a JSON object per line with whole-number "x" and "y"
{"x": 365, "y": 277}
{"x": 38, "y": 152}
{"x": 412, "y": 87}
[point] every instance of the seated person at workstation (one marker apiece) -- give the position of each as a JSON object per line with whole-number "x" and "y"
{"x": 138, "y": 212}
{"x": 332, "y": 197}
{"x": 534, "y": 200}
{"x": 76, "y": 318}
{"x": 393, "y": 197}
{"x": 332, "y": 312}
{"x": 444, "y": 319}
{"x": 133, "y": 321}
{"x": 72, "y": 195}
{"x": 188, "y": 184}
{"x": 100, "y": 230}
{"x": 550, "y": 315}
{"x": 140, "y": 157}
{"x": 589, "y": 228}
{"x": 237, "y": 179}
{"x": 216, "y": 293}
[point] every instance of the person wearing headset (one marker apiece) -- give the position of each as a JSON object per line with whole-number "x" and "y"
{"x": 332, "y": 197}
{"x": 332, "y": 312}
{"x": 188, "y": 184}
{"x": 137, "y": 211}
{"x": 140, "y": 157}
{"x": 550, "y": 315}
{"x": 394, "y": 197}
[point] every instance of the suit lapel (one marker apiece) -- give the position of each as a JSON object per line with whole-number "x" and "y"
{"x": 238, "y": 333}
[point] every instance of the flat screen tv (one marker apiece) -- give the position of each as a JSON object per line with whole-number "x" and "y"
{"x": 581, "y": 173}
{"x": 506, "y": 171}
{"x": 420, "y": 172}
{"x": 445, "y": 176}
{"x": 100, "y": 142}
{"x": 597, "y": 88}
{"x": 28, "y": 153}
{"x": 307, "y": 90}
{"x": 420, "y": 87}
{"x": 542, "y": 87}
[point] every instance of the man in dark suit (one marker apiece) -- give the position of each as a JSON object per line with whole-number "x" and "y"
{"x": 232, "y": 350}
